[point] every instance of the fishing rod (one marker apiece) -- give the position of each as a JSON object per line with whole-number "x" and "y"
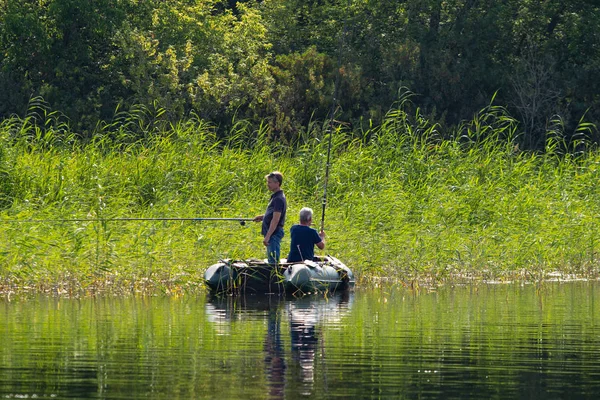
{"x": 331, "y": 120}
{"x": 242, "y": 221}
{"x": 327, "y": 165}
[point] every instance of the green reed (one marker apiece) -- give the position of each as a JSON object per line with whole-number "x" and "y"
{"x": 406, "y": 201}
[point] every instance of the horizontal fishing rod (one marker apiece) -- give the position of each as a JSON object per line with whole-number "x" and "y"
{"x": 242, "y": 221}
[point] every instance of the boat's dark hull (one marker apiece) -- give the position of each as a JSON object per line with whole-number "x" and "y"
{"x": 257, "y": 276}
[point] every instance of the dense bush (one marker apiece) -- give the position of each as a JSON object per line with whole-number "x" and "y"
{"x": 277, "y": 60}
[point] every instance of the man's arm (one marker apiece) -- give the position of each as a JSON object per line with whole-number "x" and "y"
{"x": 321, "y": 244}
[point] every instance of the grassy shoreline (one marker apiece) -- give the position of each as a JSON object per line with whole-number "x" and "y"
{"x": 404, "y": 204}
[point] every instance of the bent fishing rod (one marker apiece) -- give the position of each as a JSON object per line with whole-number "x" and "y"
{"x": 242, "y": 221}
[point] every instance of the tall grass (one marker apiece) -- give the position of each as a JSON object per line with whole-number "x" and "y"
{"x": 406, "y": 201}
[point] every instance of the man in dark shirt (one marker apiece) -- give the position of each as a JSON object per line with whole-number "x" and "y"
{"x": 304, "y": 238}
{"x": 274, "y": 217}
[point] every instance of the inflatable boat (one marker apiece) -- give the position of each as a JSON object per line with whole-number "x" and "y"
{"x": 322, "y": 273}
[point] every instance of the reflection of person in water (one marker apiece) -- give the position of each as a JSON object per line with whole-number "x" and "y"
{"x": 304, "y": 314}
{"x": 304, "y": 343}
{"x": 274, "y": 359}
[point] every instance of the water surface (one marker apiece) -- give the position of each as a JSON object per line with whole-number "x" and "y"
{"x": 484, "y": 341}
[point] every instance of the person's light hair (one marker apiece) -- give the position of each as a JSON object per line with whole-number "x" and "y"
{"x": 306, "y": 214}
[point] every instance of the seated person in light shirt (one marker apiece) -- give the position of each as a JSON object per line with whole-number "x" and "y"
{"x": 304, "y": 238}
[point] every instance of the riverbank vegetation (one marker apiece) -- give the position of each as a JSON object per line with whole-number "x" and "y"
{"x": 276, "y": 61}
{"x": 406, "y": 201}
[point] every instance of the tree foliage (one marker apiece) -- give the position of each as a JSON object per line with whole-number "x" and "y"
{"x": 277, "y": 60}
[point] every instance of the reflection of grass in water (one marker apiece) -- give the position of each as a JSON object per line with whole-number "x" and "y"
{"x": 403, "y": 202}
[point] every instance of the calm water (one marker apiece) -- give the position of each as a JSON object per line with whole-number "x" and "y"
{"x": 497, "y": 341}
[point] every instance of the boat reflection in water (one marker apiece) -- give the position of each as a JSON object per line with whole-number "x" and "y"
{"x": 302, "y": 315}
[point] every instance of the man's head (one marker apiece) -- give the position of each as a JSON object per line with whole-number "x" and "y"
{"x": 306, "y": 215}
{"x": 274, "y": 180}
